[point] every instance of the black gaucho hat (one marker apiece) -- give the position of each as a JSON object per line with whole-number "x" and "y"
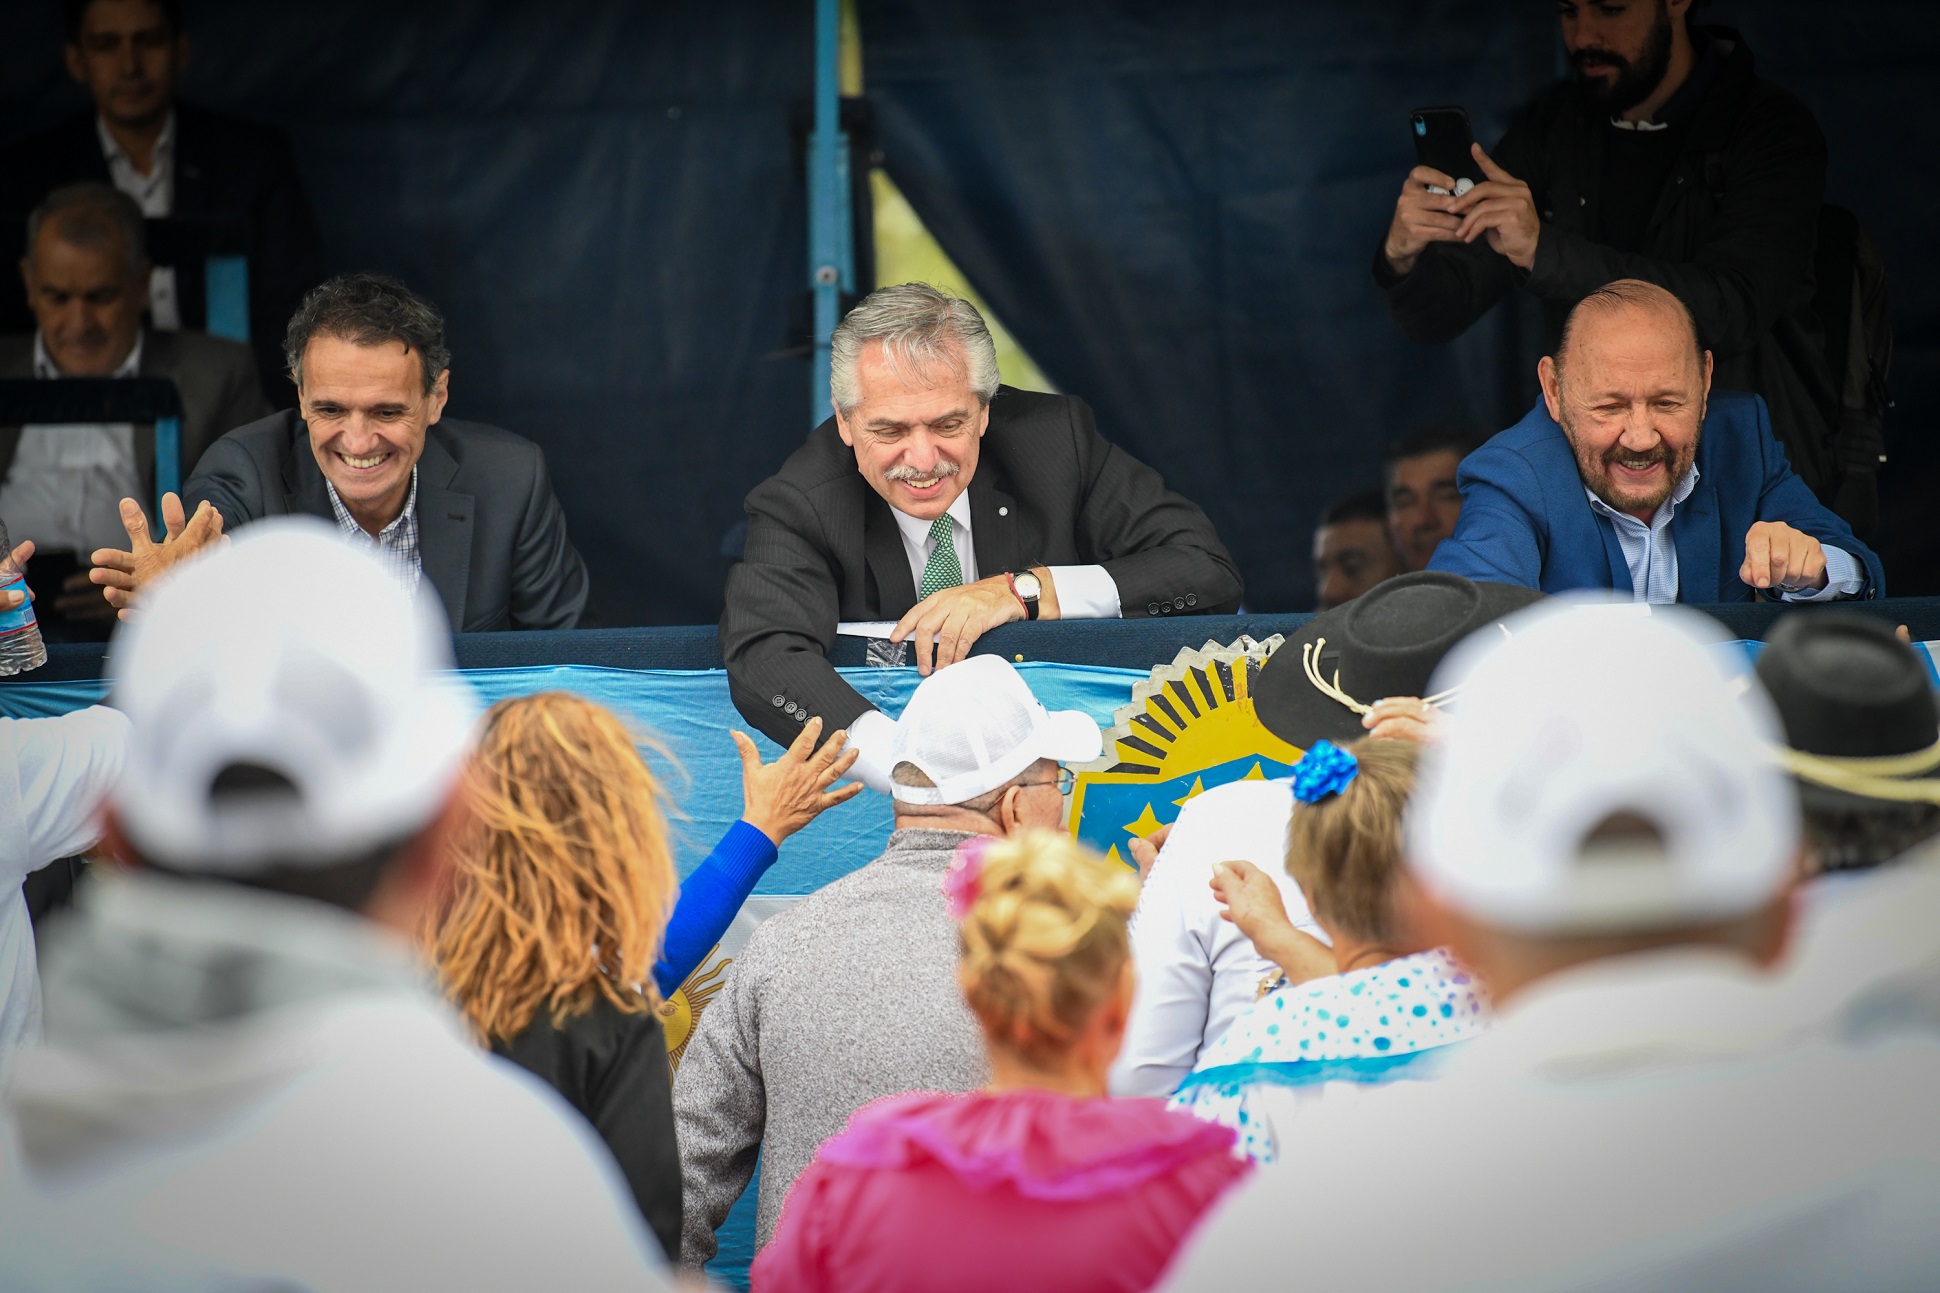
{"x": 1386, "y": 642}
{"x": 1854, "y": 699}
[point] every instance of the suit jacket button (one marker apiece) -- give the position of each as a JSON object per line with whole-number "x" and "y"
{"x": 1153, "y": 609}
{"x": 801, "y": 716}
{"x": 1192, "y": 599}
{"x": 1178, "y": 603}
{"x": 789, "y": 708}
{"x": 780, "y": 701}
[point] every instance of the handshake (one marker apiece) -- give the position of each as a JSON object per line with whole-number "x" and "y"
{"x": 121, "y": 575}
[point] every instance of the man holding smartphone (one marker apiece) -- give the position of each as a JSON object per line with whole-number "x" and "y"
{"x": 1669, "y": 161}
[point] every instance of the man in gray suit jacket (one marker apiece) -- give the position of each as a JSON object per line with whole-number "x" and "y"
{"x": 468, "y": 508}
{"x": 938, "y": 499}
{"x": 86, "y": 275}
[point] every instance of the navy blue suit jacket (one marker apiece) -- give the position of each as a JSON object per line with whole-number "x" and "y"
{"x": 1526, "y": 520}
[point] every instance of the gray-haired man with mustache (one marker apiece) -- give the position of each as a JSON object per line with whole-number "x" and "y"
{"x": 949, "y": 504}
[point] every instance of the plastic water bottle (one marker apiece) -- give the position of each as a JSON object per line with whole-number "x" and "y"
{"x": 20, "y": 644}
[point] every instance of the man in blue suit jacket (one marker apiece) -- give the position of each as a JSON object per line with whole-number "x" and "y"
{"x": 1630, "y": 475}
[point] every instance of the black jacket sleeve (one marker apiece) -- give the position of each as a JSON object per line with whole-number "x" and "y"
{"x": 1159, "y": 548}
{"x": 228, "y": 476}
{"x": 780, "y": 618}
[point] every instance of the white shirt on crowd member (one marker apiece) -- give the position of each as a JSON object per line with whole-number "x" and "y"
{"x": 65, "y": 485}
{"x": 1619, "y": 1127}
{"x": 265, "y": 1084}
{"x": 1196, "y": 971}
{"x": 154, "y": 193}
{"x": 54, "y": 773}
{"x": 1084, "y": 592}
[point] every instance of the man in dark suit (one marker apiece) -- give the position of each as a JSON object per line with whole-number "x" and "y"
{"x": 178, "y": 161}
{"x": 86, "y": 274}
{"x": 1632, "y": 475}
{"x": 465, "y": 507}
{"x": 938, "y": 499}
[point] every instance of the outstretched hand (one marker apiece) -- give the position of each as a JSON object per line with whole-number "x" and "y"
{"x": 122, "y": 575}
{"x": 1252, "y": 902}
{"x": 1781, "y": 559}
{"x": 1145, "y": 850}
{"x": 780, "y": 798}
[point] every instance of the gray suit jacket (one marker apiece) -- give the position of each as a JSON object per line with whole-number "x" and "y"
{"x": 1049, "y": 490}
{"x": 215, "y": 378}
{"x": 491, "y": 536}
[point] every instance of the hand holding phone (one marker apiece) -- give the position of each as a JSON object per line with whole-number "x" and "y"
{"x": 1443, "y": 168}
{"x": 1444, "y": 143}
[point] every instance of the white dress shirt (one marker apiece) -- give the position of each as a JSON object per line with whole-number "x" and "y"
{"x": 154, "y": 193}
{"x": 66, "y": 483}
{"x": 1651, "y": 553}
{"x": 1196, "y": 972}
{"x": 53, "y": 775}
{"x": 1084, "y": 592}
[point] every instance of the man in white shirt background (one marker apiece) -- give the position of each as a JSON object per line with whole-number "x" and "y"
{"x": 211, "y": 173}
{"x": 85, "y": 270}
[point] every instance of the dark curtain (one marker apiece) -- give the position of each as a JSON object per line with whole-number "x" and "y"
{"x": 603, "y": 196}
{"x": 1174, "y": 205}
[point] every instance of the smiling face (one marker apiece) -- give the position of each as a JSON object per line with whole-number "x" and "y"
{"x": 367, "y": 412}
{"x": 128, "y": 56}
{"x": 87, "y": 301}
{"x": 1630, "y": 395}
{"x": 915, "y": 435}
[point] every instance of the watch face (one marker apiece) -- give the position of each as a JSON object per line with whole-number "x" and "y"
{"x": 1028, "y": 586}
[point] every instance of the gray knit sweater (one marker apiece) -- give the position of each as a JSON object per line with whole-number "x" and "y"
{"x": 847, "y": 996}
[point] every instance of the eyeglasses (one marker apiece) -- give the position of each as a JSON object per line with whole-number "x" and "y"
{"x": 1064, "y": 781}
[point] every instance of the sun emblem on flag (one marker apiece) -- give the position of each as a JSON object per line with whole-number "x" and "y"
{"x": 680, "y": 1012}
{"x": 1189, "y": 727}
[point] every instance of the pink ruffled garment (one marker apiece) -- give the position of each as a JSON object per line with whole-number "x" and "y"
{"x": 1019, "y": 1190}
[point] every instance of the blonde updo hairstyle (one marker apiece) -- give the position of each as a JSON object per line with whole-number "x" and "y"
{"x": 1345, "y": 851}
{"x": 1044, "y": 943}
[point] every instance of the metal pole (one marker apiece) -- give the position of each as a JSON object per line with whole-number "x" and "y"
{"x": 831, "y": 250}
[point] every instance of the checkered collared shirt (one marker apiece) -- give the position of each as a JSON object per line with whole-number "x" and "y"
{"x": 396, "y": 545}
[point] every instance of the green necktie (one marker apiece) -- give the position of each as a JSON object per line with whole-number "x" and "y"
{"x": 942, "y": 570}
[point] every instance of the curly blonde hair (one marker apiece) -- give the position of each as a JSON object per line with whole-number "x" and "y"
{"x": 1044, "y": 942}
{"x": 564, "y": 877}
{"x": 1345, "y": 851}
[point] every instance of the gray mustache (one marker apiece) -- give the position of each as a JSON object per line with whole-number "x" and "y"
{"x": 943, "y": 470}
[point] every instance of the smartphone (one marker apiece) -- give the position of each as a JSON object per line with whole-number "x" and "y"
{"x": 1442, "y": 141}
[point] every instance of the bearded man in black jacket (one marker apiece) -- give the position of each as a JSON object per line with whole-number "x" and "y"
{"x": 1668, "y": 160}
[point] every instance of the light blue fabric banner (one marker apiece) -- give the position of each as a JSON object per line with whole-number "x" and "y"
{"x": 689, "y": 715}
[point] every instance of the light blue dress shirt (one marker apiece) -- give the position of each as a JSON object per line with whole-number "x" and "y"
{"x": 1652, "y": 556}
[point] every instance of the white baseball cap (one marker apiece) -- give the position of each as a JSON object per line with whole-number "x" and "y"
{"x": 971, "y": 727}
{"x": 1580, "y": 713}
{"x": 292, "y": 651}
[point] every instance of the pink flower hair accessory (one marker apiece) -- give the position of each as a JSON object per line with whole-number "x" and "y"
{"x": 964, "y": 880}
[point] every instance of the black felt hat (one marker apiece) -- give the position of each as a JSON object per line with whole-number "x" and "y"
{"x": 1386, "y": 642}
{"x": 1846, "y": 687}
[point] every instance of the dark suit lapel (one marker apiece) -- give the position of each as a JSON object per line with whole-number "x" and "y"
{"x": 1694, "y": 533}
{"x": 444, "y": 529}
{"x": 304, "y": 491}
{"x": 993, "y": 529}
{"x": 882, "y": 551}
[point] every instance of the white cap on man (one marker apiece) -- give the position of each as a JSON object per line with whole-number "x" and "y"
{"x": 290, "y": 705}
{"x": 971, "y": 728}
{"x": 1588, "y": 714}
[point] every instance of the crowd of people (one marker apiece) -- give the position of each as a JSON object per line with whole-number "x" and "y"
{"x": 1568, "y": 955}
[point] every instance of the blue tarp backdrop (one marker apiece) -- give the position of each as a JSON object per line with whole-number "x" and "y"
{"x": 1173, "y": 204}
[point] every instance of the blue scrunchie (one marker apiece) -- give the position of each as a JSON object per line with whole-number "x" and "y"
{"x": 1324, "y": 770}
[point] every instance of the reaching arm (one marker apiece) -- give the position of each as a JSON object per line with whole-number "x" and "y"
{"x": 779, "y": 621}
